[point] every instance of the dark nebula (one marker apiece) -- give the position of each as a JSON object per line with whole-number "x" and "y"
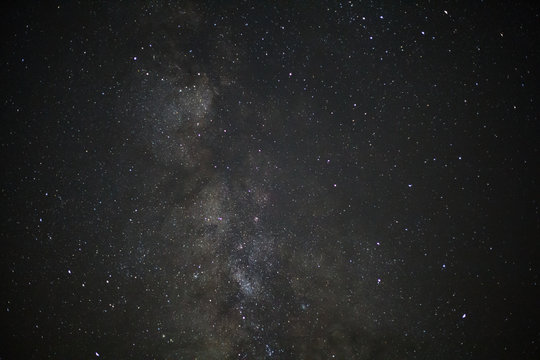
{"x": 270, "y": 180}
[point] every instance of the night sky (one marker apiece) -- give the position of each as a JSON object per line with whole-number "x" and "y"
{"x": 270, "y": 180}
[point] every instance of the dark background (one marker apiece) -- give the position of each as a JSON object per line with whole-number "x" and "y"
{"x": 288, "y": 180}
